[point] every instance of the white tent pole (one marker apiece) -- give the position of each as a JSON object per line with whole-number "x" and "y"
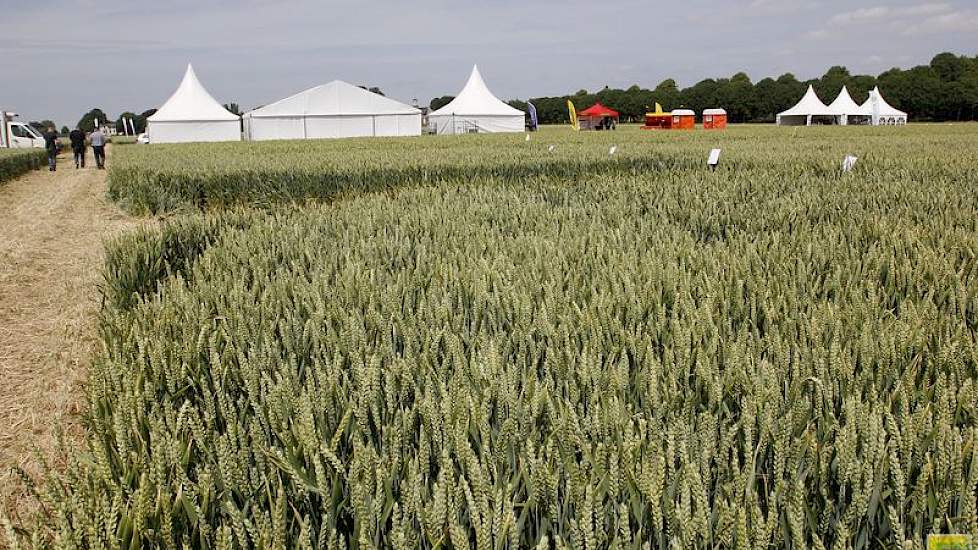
{"x": 808, "y": 120}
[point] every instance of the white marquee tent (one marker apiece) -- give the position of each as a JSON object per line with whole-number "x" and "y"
{"x": 882, "y": 113}
{"x": 192, "y": 114}
{"x": 847, "y": 111}
{"x": 806, "y": 111}
{"x": 476, "y": 110}
{"x": 334, "y": 110}
{"x": 844, "y": 111}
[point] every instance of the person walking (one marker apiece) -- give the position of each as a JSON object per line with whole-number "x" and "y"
{"x": 77, "y": 138}
{"x": 53, "y": 146}
{"x": 97, "y": 139}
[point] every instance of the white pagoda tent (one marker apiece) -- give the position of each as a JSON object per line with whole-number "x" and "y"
{"x": 847, "y": 110}
{"x": 334, "y": 110}
{"x": 880, "y": 112}
{"x": 476, "y": 110}
{"x": 808, "y": 109}
{"x": 192, "y": 114}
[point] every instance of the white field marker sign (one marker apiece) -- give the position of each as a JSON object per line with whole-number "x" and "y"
{"x": 527, "y": 137}
{"x": 611, "y": 152}
{"x": 849, "y": 163}
{"x": 552, "y": 148}
{"x": 714, "y": 159}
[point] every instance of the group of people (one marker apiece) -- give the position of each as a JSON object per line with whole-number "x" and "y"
{"x": 79, "y": 145}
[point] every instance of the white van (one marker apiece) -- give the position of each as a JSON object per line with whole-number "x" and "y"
{"x": 18, "y": 135}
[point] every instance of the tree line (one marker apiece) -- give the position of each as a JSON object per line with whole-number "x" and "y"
{"x": 944, "y": 90}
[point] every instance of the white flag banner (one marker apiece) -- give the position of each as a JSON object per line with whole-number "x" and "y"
{"x": 849, "y": 163}
{"x": 714, "y": 158}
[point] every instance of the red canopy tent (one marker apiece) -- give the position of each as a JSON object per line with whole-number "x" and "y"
{"x": 597, "y": 117}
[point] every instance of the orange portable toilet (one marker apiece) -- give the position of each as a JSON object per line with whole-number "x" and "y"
{"x": 683, "y": 119}
{"x": 714, "y": 119}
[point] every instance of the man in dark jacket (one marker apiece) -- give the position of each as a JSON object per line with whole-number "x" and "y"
{"x": 77, "y": 138}
{"x": 53, "y": 146}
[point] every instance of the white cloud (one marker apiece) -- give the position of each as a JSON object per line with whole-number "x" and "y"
{"x": 862, "y": 15}
{"x": 911, "y": 20}
{"x": 780, "y": 7}
{"x": 882, "y": 13}
{"x": 965, "y": 21}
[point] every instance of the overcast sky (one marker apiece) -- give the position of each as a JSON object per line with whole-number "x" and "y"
{"x": 59, "y": 58}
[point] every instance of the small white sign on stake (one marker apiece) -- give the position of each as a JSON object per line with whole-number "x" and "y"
{"x": 714, "y": 159}
{"x": 551, "y": 148}
{"x": 611, "y": 152}
{"x": 849, "y": 163}
{"x": 527, "y": 137}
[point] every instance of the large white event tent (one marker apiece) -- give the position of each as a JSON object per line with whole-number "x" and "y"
{"x": 847, "y": 110}
{"x": 882, "y": 113}
{"x": 192, "y": 114}
{"x": 843, "y": 111}
{"x": 334, "y": 110}
{"x": 476, "y": 110}
{"x": 808, "y": 109}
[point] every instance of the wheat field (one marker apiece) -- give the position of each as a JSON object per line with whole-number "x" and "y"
{"x": 490, "y": 342}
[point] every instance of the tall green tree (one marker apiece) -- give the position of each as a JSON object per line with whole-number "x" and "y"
{"x": 87, "y": 122}
{"x": 440, "y": 102}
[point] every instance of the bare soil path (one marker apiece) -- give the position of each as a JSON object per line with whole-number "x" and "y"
{"x": 52, "y": 228}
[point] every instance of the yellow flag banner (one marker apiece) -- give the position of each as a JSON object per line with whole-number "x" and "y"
{"x": 573, "y": 115}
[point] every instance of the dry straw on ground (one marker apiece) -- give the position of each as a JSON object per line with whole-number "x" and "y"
{"x": 51, "y": 234}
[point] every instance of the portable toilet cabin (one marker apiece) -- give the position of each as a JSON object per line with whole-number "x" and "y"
{"x": 714, "y": 119}
{"x": 683, "y": 119}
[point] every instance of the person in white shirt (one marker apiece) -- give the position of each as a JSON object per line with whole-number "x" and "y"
{"x": 97, "y": 139}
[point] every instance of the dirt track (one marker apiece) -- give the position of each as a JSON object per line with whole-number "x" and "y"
{"x": 52, "y": 227}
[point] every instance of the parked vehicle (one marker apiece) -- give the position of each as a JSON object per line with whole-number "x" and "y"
{"x": 17, "y": 135}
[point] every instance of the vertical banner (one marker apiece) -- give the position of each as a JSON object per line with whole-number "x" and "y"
{"x": 534, "y": 122}
{"x": 573, "y": 115}
{"x": 4, "y": 140}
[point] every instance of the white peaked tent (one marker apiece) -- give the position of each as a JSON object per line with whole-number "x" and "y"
{"x": 880, "y": 112}
{"x": 805, "y": 111}
{"x": 333, "y": 110}
{"x": 192, "y": 114}
{"x": 847, "y": 111}
{"x": 476, "y": 110}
